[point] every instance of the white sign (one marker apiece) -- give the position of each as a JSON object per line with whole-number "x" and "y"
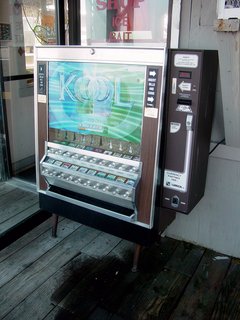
{"x": 42, "y": 98}
{"x": 151, "y": 112}
{"x": 175, "y": 180}
{"x": 182, "y": 60}
{"x": 228, "y": 9}
{"x": 174, "y": 127}
{"x": 184, "y": 108}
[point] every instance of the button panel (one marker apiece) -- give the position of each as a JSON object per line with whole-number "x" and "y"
{"x": 90, "y": 173}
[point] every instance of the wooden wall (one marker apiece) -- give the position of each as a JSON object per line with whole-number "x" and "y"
{"x": 215, "y": 222}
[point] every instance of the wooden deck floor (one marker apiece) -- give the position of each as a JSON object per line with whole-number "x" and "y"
{"x": 17, "y": 204}
{"x": 86, "y": 274}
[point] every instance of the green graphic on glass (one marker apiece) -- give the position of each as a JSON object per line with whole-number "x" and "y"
{"x": 97, "y": 99}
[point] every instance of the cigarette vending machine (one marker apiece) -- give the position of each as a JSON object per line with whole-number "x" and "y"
{"x": 98, "y": 137}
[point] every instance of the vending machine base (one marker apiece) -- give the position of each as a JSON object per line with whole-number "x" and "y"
{"x": 120, "y": 228}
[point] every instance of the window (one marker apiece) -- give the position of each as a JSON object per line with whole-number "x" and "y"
{"x": 124, "y": 22}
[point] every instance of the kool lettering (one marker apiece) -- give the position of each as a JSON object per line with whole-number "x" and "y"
{"x": 97, "y": 89}
{"x": 83, "y": 88}
{"x": 117, "y": 4}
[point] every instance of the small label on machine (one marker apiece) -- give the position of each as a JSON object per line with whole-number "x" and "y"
{"x": 175, "y": 180}
{"x": 186, "y": 60}
{"x": 174, "y": 127}
{"x": 42, "y": 98}
{"x": 151, "y": 112}
{"x": 184, "y": 108}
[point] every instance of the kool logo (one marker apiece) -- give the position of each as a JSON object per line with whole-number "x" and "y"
{"x": 100, "y": 90}
{"x": 85, "y": 88}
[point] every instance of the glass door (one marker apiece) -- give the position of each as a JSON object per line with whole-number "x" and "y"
{"x": 4, "y": 161}
{"x": 23, "y": 24}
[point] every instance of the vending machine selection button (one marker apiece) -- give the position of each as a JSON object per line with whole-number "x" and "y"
{"x": 50, "y": 160}
{"x": 67, "y": 154}
{"x": 58, "y": 163}
{"x": 66, "y": 165}
{"x": 74, "y": 167}
{"x": 111, "y": 177}
{"x": 75, "y": 156}
{"x": 101, "y": 174}
{"x": 91, "y": 172}
{"x": 130, "y": 182}
{"x": 83, "y": 170}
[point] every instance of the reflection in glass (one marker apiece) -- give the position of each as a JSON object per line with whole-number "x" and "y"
{"x": 128, "y": 22}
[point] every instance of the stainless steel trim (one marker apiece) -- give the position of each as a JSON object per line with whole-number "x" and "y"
{"x": 94, "y": 154}
{"x": 146, "y": 56}
{"x": 36, "y": 124}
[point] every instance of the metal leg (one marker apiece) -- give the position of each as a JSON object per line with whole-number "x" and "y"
{"x": 54, "y": 224}
{"x": 136, "y": 256}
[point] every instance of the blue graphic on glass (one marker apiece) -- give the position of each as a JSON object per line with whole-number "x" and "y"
{"x": 97, "y": 98}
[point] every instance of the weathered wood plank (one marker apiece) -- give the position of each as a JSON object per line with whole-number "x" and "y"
{"x": 199, "y": 298}
{"x": 152, "y": 261}
{"x": 101, "y": 314}
{"x": 5, "y": 188}
{"x": 159, "y": 298}
{"x": 229, "y": 52}
{"x": 55, "y": 289}
{"x": 207, "y": 14}
{"x": 26, "y": 239}
{"x": 54, "y": 314}
{"x": 13, "y": 195}
{"x": 184, "y": 258}
{"x": 29, "y": 254}
{"x": 102, "y": 245}
{"x": 17, "y": 219}
{"x": 227, "y": 306}
{"x": 62, "y": 314}
{"x": 124, "y": 250}
{"x": 17, "y": 205}
{"x": 155, "y": 299}
{"x": 101, "y": 280}
{"x": 92, "y": 284}
{"x": 19, "y": 288}
{"x": 38, "y": 304}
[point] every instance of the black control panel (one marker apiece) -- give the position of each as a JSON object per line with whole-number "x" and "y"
{"x": 190, "y": 104}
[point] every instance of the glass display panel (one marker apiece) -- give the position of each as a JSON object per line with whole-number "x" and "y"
{"x": 97, "y": 105}
{"x": 128, "y": 22}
